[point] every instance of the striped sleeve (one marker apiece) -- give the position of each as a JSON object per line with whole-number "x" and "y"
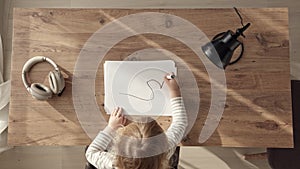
{"x": 96, "y": 153}
{"x": 179, "y": 123}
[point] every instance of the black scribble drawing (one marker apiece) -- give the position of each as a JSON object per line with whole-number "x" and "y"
{"x": 152, "y": 93}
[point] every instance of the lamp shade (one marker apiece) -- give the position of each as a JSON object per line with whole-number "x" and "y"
{"x": 220, "y": 50}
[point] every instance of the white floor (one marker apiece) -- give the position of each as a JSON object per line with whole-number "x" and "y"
{"x": 190, "y": 157}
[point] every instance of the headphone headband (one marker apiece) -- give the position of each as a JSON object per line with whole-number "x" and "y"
{"x": 29, "y": 64}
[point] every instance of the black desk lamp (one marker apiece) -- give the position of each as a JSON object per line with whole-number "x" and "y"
{"x": 221, "y": 48}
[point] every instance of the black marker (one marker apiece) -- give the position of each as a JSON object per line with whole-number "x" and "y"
{"x": 170, "y": 77}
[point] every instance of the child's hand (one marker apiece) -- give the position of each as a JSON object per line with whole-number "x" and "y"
{"x": 172, "y": 86}
{"x": 116, "y": 118}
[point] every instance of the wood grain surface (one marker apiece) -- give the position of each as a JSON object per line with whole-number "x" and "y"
{"x": 258, "y": 106}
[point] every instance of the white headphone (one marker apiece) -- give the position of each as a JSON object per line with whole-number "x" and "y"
{"x": 38, "y": 90}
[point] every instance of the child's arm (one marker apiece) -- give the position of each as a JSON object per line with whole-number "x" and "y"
{"x": 95, "y": 153}
{"x": 176, "y": 131}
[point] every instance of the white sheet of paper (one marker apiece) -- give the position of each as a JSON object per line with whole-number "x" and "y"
{"x": 137, "y": 87}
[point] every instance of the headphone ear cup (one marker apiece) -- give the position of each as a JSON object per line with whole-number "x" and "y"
{"x": 57, "y": 82}
{"x": 40, "y": 91}
{"x": 53, "y": 82}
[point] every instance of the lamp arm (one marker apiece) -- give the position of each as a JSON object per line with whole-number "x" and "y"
{"x": 240, "y": 56}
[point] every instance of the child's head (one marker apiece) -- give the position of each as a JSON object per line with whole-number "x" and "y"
{"x": 137, "y": 144}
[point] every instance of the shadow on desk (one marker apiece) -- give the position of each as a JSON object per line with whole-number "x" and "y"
{"x": 64, "y": 103}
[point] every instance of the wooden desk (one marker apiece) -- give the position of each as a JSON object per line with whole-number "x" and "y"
{"x": 258, "y": 106}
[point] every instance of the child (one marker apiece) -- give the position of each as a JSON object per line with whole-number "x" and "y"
{"x": 132, "y": 146}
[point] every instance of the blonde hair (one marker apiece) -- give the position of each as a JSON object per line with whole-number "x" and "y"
{"x": 137, "y": 133}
